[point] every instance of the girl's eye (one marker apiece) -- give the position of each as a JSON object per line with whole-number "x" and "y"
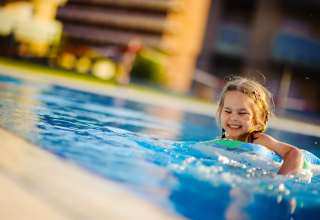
{"x": 227, "y": 111}
{"x": 243, "y": 113}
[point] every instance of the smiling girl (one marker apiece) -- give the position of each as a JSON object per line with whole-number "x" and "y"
{"x": 243, "y": 113}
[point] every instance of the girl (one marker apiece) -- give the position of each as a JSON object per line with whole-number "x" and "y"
{"x": 243, "y": 112}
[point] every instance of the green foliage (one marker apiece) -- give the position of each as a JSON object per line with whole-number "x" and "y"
{"x": 150, "y": 65}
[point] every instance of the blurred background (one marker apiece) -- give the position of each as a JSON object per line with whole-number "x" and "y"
{"x": 180, "y": 46}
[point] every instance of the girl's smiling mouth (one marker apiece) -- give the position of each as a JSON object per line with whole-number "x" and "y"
{"x": 234, "y": 126}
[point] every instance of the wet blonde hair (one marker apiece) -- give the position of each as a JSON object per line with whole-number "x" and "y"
{"x": 263, "y": 103}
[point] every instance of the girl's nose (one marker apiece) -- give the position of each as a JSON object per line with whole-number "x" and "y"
{"x": 233, "y": 116}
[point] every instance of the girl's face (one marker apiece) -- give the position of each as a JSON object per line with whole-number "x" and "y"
{"x": 236, "y": 114}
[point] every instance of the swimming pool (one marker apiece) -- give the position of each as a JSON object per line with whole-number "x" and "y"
{"x": 149, "y": 149}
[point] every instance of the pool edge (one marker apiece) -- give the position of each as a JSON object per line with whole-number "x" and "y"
{"x": 57, "y": 189}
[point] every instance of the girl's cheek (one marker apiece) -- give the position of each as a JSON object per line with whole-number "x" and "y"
{"x": 222, "y": 121}
{"x": 247, "y": 117}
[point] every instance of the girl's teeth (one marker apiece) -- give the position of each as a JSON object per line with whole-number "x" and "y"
{"x": 234, "y": 126}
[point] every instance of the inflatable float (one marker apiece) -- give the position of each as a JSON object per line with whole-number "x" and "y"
{"x": 310, "y": 159}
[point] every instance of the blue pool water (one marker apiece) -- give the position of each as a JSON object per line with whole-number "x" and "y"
{"x": 150, "y": 150}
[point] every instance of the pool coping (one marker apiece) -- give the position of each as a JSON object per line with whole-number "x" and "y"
{"x": 36, "y": 184}
{"x": 147, "y": 96}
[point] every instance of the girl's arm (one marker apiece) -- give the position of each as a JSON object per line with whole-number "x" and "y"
{"x": 292, "y": 156}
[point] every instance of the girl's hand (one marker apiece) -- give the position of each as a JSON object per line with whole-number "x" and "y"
{"x": 292, "y": 157}
{"x": 292, "y": 162}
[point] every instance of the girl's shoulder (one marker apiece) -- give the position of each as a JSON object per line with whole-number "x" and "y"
{"x": 262, "y": 139}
